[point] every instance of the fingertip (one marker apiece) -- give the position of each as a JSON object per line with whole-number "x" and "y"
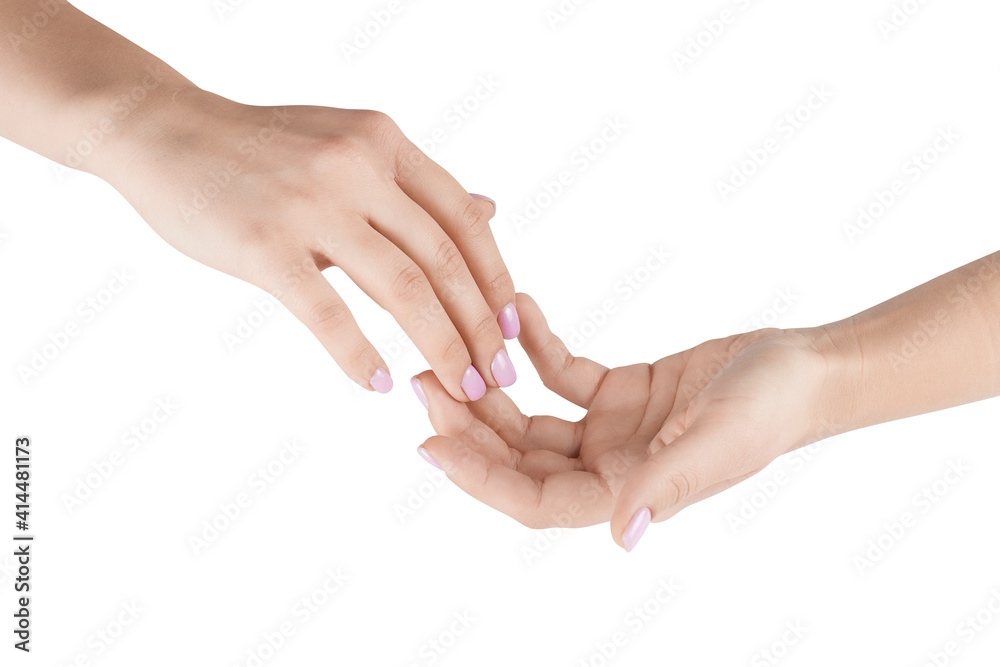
{"x": 636, "y": 527}
{"x": 418, "y": 389}
{"x": 426, "y": 456}
{"x": 487, "y": 200}
{"x": 509, "y": 321}
{"x": 473, "y": 384}
{"x": 381, "y": 381}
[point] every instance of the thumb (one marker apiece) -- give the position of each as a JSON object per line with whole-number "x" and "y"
{"x": 699, "y": 463}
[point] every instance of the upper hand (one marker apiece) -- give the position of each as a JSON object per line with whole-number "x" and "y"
{"x": 275, "y": 195}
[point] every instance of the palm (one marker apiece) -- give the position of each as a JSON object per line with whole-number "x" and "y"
{"x": 729, "y": 398}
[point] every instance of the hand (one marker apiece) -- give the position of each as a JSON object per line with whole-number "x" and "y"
{"x": 656, "y": 437}
{"x": 275, "y": 195}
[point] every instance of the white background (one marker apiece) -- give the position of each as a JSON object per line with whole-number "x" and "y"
{"x": 338, "y": 505}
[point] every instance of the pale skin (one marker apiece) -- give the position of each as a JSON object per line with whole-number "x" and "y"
{"x": 270, "y": 195}
{"x": 665, "y": 435}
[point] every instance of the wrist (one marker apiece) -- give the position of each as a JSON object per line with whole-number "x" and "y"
{"x": 840, "y": 406}
{"x": 121, "y": 119}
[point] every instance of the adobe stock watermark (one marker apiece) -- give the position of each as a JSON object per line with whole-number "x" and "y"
{"x": 970, "y": 628}
{"x": 219, "y": 177}
{"x": 223, "y": 8}
{"x": 560, "y": 523}
{"x": 31, "y": 24}
{"x": 434, "y": 648}
{"x": 914, "y": 168}
{"x": 365, "y": 34}
{"x": 780, "y": 305}
{"x": 303, "y": 610}
{"x": 623, "y": 290}
{"x": 785, "y": 128}
{"x": 107, "y": 635}
{"x": 131, "y": 440}
{"x": 764, "y": 489}
{"x": 418, "y": 495}
{"x": 921, "y": 503}
{"x": 261, "y": 310}
{"x": 633, "y": 623}
{"x": 459, "y": 113}
{"x": 258, "y": 482}
{"x": 899, "y": 17}
{"x": 580, "y": 160}
{"x": 85, "y": 313}
{"x": 705, "y": 37}
{"x": 927, "y": 329}
{"x": 7, "y": 570}
{"x": 561, "y": 12}
{"x": 779, "y": 649}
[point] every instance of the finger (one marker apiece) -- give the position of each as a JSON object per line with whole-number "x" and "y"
{"x": 407, "y": 225}
{"x": 576, "y": 379}
{"x": 461, "y": 422}
{"x": 396, "y": 283}
{"x": 465, "y": 219}
{"x": 672, "y": 478}
{"x": 312, "y": 299}
{"x": 567, "y": 499}
{"x": 523, "y": 433}
{"x": 453, "y": 419}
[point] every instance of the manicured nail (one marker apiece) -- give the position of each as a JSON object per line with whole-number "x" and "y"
{"x": 636, "y": 527}
{"x": 484, "y": 197}
{"x": 381, "y": 382}
{"x": 472, "y": 383}
{"x": 510, "y": 323}
{"x": 426, "y": 455}
{"x": 418, "y": 389}
{"x": 503, "y": 370}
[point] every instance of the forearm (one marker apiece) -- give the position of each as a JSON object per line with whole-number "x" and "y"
{"x": 933, "y": 347}
{"x": 73, "y": 88}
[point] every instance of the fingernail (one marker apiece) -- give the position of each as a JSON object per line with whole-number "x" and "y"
{"x": 472, "y": 383}
{"x": 484, "y": 197}
{"x": 636, "y": 527}
{"x": 426, "y": 455}
{"x": 418, "y": 389}
{"x": 503, "y": 370}
{"x": 510, "y": 323}
{"x": 381, "y": 382}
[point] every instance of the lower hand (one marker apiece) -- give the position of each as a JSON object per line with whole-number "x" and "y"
{"x": 656, "y": 437}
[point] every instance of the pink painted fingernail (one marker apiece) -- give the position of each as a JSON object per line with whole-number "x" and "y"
{"x": 510, "y": 323}
{"x": 418, "y": 389}
{"x": 426, "y": 455}
{"x": 484, "y": 197}
{"x": 636, "y": 527}
{"x": 503, "y": 370}
{"x": 473, "y": 384}
{"x": 381, "y": 382}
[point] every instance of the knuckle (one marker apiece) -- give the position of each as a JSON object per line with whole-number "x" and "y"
{"x": 679, "y": 485}
{"x": 472, "y": 221}
{"x": 501, "y": 284}
{"x": 358, "y": 356}
{"x": 448, "y": 261}
{"x": 486, "y": 328}
{"x": 334, "y": 154}
{"x": 377, "y": 123}
{"x": 453, "y": 348}
{"x": 328, "y": 314}
{"x": 409, "y": 284}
